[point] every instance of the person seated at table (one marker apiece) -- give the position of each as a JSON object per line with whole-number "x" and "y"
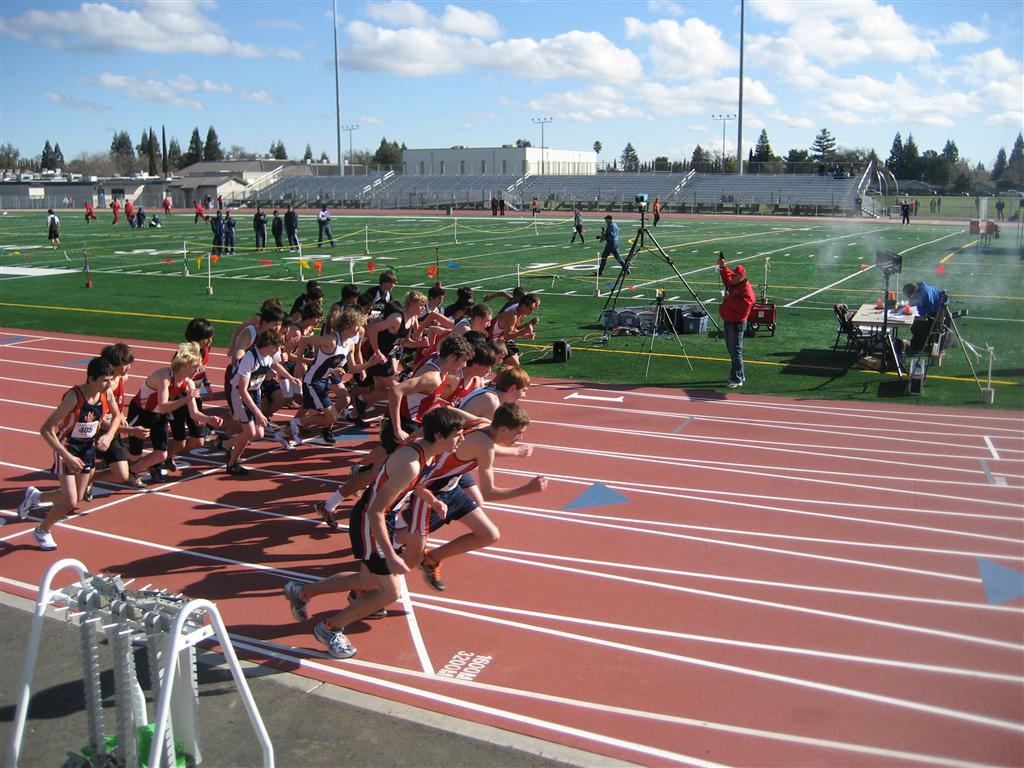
{"x": 928, "y": 300}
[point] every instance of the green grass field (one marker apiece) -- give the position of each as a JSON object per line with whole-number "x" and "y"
{"x": 141, "y": 289}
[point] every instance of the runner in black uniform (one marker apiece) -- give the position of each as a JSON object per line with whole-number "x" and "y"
{"x": 73, "y": 431}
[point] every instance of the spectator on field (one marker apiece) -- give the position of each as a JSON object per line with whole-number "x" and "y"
{"x": 277, "y": 229}
{"x": 323, "y": 219}
{"x": 291, "y": 228}
{"x": 734, "y": 310}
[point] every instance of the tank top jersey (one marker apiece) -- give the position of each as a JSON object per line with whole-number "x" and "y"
{"x": 255, "y": 366}
{"x": 324, "y": 363}
{"x": 388, "y": 342}
{"x": 200, "y": 375}
{"x": 400, "y": 500}
{"x": 466, "y": 386}
{"x": 147, "y": 398}
{"x": 81, "y": 427}
{"x": 445, "y": 472}
{"x": 476, "y": 393}
{"x": 417, "y": 404}
{"x": 498, "y": 333}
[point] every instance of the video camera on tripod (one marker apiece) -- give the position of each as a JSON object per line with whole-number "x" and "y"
{"x": 641, "y": 201}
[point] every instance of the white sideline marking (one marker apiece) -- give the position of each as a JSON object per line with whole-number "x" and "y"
{"x": 577, "y": 396}
{"x": 991, "y": 448}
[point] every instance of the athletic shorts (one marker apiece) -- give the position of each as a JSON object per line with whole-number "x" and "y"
{"x": 239, "y": 410}
{"x": 315, "y": 395}
{"x": 155, "y": 422}
{"x": 80, "y": 449}
{"x": 182, "y": 425}
{"x": 387, "y": 434}
{"x": 374, "y": 560}
{"x": 115, "y": 453}
{"x": 419, "y": 522}
{"x": 383, "y": 371}
{"x": 512, "y": 347}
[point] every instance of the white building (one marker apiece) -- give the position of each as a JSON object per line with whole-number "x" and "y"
{"x": 498, "y": 161}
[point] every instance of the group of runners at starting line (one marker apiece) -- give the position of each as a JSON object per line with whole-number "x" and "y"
{"x": 443, "y": 382}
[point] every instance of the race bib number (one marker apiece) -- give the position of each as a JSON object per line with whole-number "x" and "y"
{"x": 85, "y": 430}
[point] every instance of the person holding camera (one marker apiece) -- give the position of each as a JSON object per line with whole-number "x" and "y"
{"x": 610, "y": 235}
{"x": 734, "y": 310}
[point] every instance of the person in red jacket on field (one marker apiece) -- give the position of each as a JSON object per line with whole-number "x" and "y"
{"x": 735, "y": 309}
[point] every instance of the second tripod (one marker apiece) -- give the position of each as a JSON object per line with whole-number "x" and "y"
{"x": 662, "y": 315}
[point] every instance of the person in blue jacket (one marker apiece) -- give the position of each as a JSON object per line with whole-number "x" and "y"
{"x": 229, "y": 233}
{"x": 610, "y": 235}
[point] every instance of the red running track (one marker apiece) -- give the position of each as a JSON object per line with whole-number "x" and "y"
{"x": 782, "y": 582}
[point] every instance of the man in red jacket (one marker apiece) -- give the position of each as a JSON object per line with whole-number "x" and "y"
{"x": 735, "y": 309}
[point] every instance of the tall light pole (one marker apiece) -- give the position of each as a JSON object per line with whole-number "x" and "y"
{"x": 739, "y": 123}
{"x": 724, "y": 119}
{"x": 542, "y": 121}
{"x": 337, "y": 88}
{"x": 350, "y": 128}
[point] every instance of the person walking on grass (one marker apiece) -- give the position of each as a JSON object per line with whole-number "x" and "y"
{"x": 53, "y": 229}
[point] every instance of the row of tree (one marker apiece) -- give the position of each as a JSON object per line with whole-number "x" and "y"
{"x": 944, "y": 169}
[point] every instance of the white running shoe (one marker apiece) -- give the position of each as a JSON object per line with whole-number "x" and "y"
{"x": 31, "y": 498}
{"x": 44, "y": 539}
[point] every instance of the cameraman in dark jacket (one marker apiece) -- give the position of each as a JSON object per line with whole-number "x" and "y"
{"x": 735, "y": 309}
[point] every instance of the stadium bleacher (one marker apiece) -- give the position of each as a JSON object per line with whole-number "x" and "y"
{"x": 687, "y": 193}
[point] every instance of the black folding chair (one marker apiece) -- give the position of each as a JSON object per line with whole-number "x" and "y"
{"x": 854, "y": 338}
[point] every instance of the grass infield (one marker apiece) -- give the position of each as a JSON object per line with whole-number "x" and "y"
{"x": 148, "y": 283}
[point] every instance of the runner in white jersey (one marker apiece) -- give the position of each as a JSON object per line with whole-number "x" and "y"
{"x": 333, "y": 358}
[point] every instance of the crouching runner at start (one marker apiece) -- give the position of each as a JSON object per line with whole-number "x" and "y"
{"x": 450, "y": 482}
{"x": 371, "y": 529}
{"x": 73, "y": 431}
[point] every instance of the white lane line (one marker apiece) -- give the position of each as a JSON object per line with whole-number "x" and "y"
{"x": 858, "y": 273}
{"x": 414, "y": 628}
{"x": 987, "y": 471}
{"x": 682, "y": 426}
{"x": 853, "y": 693}
{"x": 852, "y": 409}
{"x": 850, "y": 617}
{"x": 578, "y": 396}
{"x": 870, "y": 454}
{"x": 432, "y": 697}
{"x": 731, "y": 642}
{"x": 991, "y": 448}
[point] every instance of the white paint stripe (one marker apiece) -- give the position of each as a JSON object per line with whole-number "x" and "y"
{"x": 853, "y": 618}
{"x": 852, "y": 409}
{"x": 991, "y": 448}
{"x": 987, "y": 471}
{"x": 766, "y": 472}
{"x": 866, "y": 455}
{"x": 731, "y": 642}
{"x": 874, "y": 432}
{"x": 578, "y": 396}
{"x": 432, "y": 698}
{"x": 286, "y": 653}
{"x": 414, "y": 628}
{"x": 858, "y": 273}
{"x": 876, "y": 698}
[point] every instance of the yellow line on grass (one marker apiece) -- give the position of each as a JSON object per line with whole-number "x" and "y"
{"x": 769, "y": 363}
{"x": 952, "y": 253}
{"x": 111, "y": 312}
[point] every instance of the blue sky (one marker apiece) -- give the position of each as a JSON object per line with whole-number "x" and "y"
{"x": 438, "y": 74}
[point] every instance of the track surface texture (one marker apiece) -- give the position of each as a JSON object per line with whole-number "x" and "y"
{"x": 708, "y": 579}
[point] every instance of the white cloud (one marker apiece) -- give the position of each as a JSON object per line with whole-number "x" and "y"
{"x": 783, "y": 55}
{"x": 588, "y": 55}
{"x": 151, "y": 27}
{"x": 398, "y": 13}
{"x": 474, "y": 23}
{"x": 794, "y": 121}
{"x": 666, "y": 7}
{"x": 370, "y": 120}
{"x": 72, "y": 103}
{"x": 425, "y": 52}
{"x": 260, "y": 96}
{"x": 687, "y": 51}
{"x": 651, "y": 100}
{"x": 147, "y": 90}
{"x": 962, "y": 32}
{"x": 847, "y": 32}
{"x": 212, "y": 87}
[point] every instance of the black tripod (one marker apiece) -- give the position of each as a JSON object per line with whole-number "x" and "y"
{"x": 663, "y": 315}
{"x": 639, "y": 242}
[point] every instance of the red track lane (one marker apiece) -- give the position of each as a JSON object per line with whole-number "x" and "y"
{"x": 786, "y": 583}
